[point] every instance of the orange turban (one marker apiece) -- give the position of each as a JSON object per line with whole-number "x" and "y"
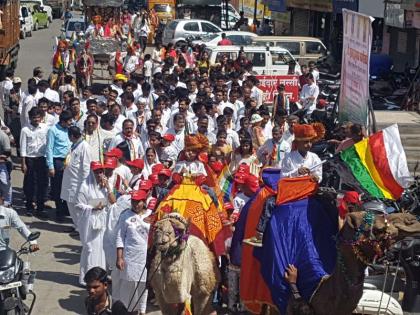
{"x": 196, "y": 142}
{"x": 63, "y": 44}
{"x": 313, "y": 132}
{"x": 97, "y": 19}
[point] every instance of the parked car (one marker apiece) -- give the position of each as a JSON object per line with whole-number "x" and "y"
{"x": 26, "y": 22}
{"x": 178, "y": 32}
{"x": 303, "y": 49}
{"x": 75, "y": 25}
{"x": 47, "y": 9}
{"x": 236, "y": 37}
{"x": 265, "y": 60}
{"x": 39, "y": 15}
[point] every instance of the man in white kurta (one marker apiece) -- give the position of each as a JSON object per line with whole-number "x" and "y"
{"x": 77, "y": 168}
{"x": 95, "y": 200}
{"x": 272, "y": 152}
{"x": 131, "y": 243}
{"x": 302, "y": 162}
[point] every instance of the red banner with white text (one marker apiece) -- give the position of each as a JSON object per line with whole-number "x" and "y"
{"x": 269, "y": 84}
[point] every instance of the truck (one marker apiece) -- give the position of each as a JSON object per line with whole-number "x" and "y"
{"x": 165, "y": 9}
{"x": 9, "y": 35}
{"x": 58, "y": 7}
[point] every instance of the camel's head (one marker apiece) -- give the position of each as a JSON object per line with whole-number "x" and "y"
{"x": 371, "y": 234}
{"x": 170, "y": 232}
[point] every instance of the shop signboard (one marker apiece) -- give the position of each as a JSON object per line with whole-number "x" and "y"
{"x": 339, "y": 5}
{"x": 248, "y": 7}
{"x": 413, "y": 5}
{"x": 276, "y": 5}
{"x": 354, "y": 90}
{"x": 394, "y": 15}
{"x": 314, "y": 5}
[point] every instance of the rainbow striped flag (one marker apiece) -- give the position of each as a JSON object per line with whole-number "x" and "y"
{"x": 226, "y": 183}
{"x": 379, "y": 164}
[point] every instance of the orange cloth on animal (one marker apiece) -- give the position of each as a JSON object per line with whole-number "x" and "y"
{"x": 295, "y": 188}
{"x": 196, "y": 205}
{"x": 254, "y": 292}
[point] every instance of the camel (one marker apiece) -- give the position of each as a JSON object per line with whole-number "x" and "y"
{"x": 186, "y": 270}
{"x": 340, "y": 292}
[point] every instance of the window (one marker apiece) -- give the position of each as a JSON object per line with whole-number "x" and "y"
{"x": 192, "y": 27}
{"x": 257, "y": 58}
{"x": 314, "y": 48}
{"x": 293, "y": 47}
{"x": 281, "y": 58}
{"x": 236, "y": 39}
{"x": 172, "y": 25}
{"x": 208, "y": 28}
{"x": 25, "y": 13}
{"x": 230, "y": 55}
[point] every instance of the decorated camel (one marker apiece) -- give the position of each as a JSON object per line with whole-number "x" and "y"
{"x": 363, "y": 237}
{"x": 186, "y": 270}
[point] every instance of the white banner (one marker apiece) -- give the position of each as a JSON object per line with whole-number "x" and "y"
{"x": 354, "y": 91}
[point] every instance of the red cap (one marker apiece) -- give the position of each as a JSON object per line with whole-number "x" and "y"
{"x": 138, "y": 163}
{"x": 252, "y": 182}
{"x": 110, "y": 163}
{"x": 322, "y": 102}
{"x": 352, "y": 197}
{"x": 168, "y": 137}
{"x": 228, "y": 206}
{"x": 115, "y": 152}
{"x": 166, "y": 171}
{"x": 243, "y": 168}
{"x": 96, "y": 165}
{"x": 239, "y": 178}
{"x": 146, "y": 185}
{"x": 157, "y": 168}
{"x": 154, "y": 179}
{"x": 138, "y": 195}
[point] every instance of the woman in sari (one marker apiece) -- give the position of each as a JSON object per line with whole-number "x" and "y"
{"x": 150, "y": 161}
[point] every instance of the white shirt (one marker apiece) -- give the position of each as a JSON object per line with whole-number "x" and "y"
{"x": 232, "y": 138}
{"x": 268, "y": 147}
{"x": 131, "y": 113}
{"x": 289, "y": 137}
{"x": 76, "y": 171}
{"x": 130, "y": 63}
{"x": 294, "y": 160}
{"x": 239, "y": 202}
{"x": 148, "y": 66}
{"x": 49, "y": 120}
{"x": 28, "y": 103}
{"x": 178, "y": 143}
{"x": 52, "y": 95}
{"x": 5, "y": 86}
{"x": 267, "y": 130}
{"x": 132, "y": 236}
{"x": 191, "y": 168}
{"x": 33, "y": 140}
{"x": 257, "y": 94}
{"x": 307, "y": 91}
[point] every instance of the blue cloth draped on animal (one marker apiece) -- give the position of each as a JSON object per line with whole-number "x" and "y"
{"x": 300, "y": 233}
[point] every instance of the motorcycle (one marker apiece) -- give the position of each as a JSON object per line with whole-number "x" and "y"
{"x": 16, "y": 280}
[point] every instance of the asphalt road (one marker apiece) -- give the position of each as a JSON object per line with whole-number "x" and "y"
{"x": 57, "y": 263}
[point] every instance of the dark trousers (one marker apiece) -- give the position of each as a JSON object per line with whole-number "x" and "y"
{"x": 56, "y": 181}
{"x": 35, "y": 182}
{"x": 265, "y": 217}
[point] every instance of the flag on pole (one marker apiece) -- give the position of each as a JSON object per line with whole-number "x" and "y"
{"x": 379, "y": 164}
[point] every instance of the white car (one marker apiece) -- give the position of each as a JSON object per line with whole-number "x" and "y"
{"x": 237, "y": 38}
{"x": 26, "y": 22}
{"x": 178, "y": 32}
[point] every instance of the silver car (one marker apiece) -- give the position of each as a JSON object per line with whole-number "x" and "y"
{"x": 178, "y": 32}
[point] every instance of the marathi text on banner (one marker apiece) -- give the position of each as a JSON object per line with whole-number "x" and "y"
{"x": 354, "y": 91}
{"x": 269, "y": 84}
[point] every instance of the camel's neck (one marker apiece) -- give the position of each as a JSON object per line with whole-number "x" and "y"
{"x": 349, "y": 268}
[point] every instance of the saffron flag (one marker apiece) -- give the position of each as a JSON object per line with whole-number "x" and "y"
{"x": 379, "y": 164}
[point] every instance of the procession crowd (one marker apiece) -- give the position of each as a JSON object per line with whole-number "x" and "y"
{"x": 168, "y": 118}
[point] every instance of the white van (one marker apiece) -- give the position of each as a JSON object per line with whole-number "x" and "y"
{"x": 26, "y": 22}
{"x": 265, "y": 60}
{"x": 303, "y": 49}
